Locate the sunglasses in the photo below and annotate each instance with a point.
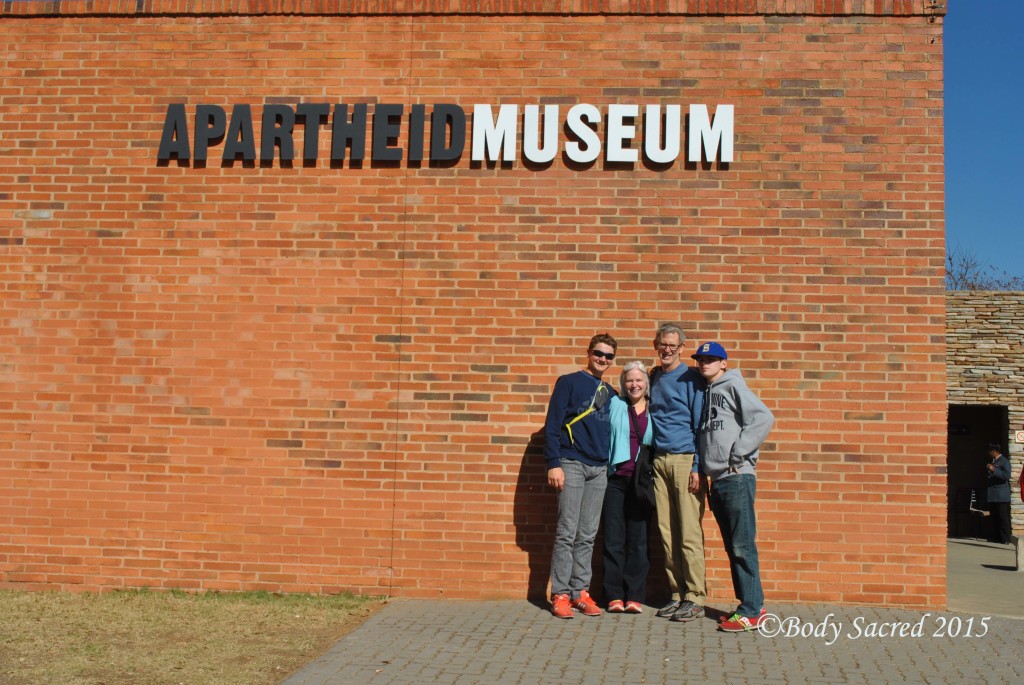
(603, 355)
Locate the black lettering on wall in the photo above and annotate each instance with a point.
(312, 115)
(240, 139)
(387, 125)
(278, 124)
(210, 123)
(174, 139)
(445, 146)
(348, 134)
(416, 119)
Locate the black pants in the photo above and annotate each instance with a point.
(1000, 512)
(625, 542)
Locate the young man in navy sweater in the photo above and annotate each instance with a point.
(577, 435)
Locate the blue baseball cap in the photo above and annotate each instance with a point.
(710, 349)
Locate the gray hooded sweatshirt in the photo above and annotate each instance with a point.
(734, 423)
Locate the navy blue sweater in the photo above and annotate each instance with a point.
(591, 436)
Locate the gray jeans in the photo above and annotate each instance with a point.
(579, 515)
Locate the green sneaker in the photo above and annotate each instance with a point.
(742, 624)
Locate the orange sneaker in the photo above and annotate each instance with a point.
(616, 606)
(561, 607)
(634, 608)
(586, 604)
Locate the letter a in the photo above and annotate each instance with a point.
(174, 139)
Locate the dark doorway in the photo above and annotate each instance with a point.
(971, 427)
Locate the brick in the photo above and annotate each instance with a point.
(312, 378)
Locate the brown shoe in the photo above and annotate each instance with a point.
(561, 607)
(586, 604)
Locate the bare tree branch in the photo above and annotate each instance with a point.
(965, 271)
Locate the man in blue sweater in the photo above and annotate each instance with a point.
(679, 491)
(577, 435)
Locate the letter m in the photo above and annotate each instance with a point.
(711, 137)
(494, 139)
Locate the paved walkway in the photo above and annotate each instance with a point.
(519, 643)
(982, 579)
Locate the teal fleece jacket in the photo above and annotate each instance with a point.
(620, 433)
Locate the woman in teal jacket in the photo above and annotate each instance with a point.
(625, 516)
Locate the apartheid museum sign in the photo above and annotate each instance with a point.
(582, 136)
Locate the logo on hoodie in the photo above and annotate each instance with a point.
(713, 422)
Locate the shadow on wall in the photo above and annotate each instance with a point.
(535, 512)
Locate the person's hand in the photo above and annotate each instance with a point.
(991, 468)
(694, 486)
(556, 478)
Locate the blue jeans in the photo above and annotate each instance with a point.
(732, 501)
(625, 542)
(579, 515)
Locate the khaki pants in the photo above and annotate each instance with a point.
(680, 513)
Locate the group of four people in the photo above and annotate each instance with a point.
(703, 424)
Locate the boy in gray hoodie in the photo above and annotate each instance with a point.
(734, 423)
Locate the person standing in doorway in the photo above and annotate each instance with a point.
(577, 435)
(680, 493)
(998, 472)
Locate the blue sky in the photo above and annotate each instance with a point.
(984, 105)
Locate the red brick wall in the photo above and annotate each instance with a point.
(316, 378)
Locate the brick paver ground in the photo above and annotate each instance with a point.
(519, 643)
